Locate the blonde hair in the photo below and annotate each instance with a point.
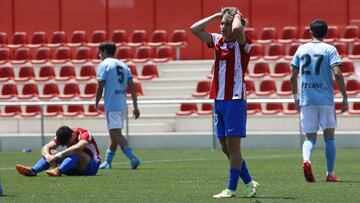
(229, 14)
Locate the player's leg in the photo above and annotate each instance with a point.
(328, 123)
(310, 126)
(39, 166)
(222, 142)
(67, 166)
(127, 150)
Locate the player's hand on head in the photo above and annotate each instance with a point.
(136, 113)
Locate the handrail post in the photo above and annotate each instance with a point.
(42, 124)
(213, 128)
(127, 124)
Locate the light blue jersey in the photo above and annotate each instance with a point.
(115, 74)
(315, 61)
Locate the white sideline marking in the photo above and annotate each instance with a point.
(189, 160)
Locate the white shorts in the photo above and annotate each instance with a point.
(115, 119)
(313, 116)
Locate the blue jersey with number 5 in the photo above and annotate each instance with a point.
(115, 74)
(315, 61)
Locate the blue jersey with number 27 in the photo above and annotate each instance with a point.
(115, 74)
(315, 61)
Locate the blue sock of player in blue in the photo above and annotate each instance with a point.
(41, 165)
(307, 148)
(330, 152)
(131, 156)
(68, 163)
(108, 159)
(244, 173)
(234, 174)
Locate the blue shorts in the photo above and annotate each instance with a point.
(90, 170)
(230, 118)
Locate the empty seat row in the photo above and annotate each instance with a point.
(82, 54)
(78, 38)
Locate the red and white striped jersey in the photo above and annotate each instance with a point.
(231, 61)
(91, 149)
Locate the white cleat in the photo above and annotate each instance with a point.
(225, 194)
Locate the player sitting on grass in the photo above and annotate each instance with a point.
(81, 156)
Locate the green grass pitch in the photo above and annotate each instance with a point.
(186, 176)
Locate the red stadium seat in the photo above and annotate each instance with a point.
(186, 109)
(351, 34)
(87, 72)
(179, 40)
(124, 53)
(341, 48)
(143, 54)
(11, 111)
(306, 35)
(159, 37)
(289, 34)
(9, 90)
(19, 39)
(46, 72)
(276, 51)
(22, 55)
(78, 38)
(50, 90)
(89, 90)
(290, 110)
(31, 111)
(3, 39)
(163, 54)
(352, 87)
(206, 109)
(338, 107)
(5, 55)
(250, 33)
(71, 91)
(58, 38)
(42, 55)
(149, 71)
(119, 37)
(268, 35)
(272, 108)
(332, 34)
(139, 91)
(253, 108)
(92, 112)
(202, 89)
(53, 110)
(256, 51)
(292, 49)
(6, 73)
(250, 87)
(82, 54)
(74, 110)
(355, 53)
(62, 54)
(29, 90)
(97, 37)
(285, 89)
(133, 69)
(261, 69)
(138, 38)
(267, 87)
(281, 69)
(67, 72)
(355, 109)
(38, 39)
(26, 73)
(347, 68)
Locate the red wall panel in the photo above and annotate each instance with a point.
(179, 15)
(131, 15)
(36, 15)
(354, 12)
(87, 15)
(6, 17)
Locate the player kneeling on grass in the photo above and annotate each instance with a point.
(81, 156)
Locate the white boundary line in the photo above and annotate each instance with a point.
(189, 160)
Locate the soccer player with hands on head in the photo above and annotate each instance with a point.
(81, 156)
(316, 63)
(232, 55)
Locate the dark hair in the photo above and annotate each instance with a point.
(63, 135)
(109, 47)
(318, 28)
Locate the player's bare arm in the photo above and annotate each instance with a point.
(341, 84)
(198, 28)
(294, 87)
(136, 112)
(99, 93)
(46, 149)
(78, 147)
(238, 29)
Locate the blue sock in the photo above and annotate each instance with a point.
(109, 156)
(244, 173)
(233, 179)
(129, 153)
(41, 165)
(68, 163)
(307, 148)
(330, 152)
